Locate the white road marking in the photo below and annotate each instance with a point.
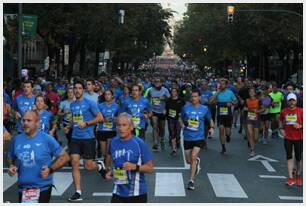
(267, 165)
(169, 184)
(257, 158)
(61, 180)
(8, 181)
(171, 168)
(102, 194)
(290, 198)
(272, 176)
(186, 166)
(226, 185)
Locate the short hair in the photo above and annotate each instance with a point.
(91, 80)
(127, 116)
(137, 85)
(32, 111)
(79, 82)
(111, 91)
(196, 91)
(27, 82)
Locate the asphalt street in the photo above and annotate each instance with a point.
(230, 178)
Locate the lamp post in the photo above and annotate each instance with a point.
(19, 40)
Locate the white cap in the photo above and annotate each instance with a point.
(291, 96)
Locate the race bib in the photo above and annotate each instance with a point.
(291, 119)
(193, 124)
(223, 110)
(108, 125)
(136, 121)
(172, 113)
(120, 177)
(252, 116)
(156, 101)
(30, 195)
(77, 118)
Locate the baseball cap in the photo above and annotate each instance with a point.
(291, 96)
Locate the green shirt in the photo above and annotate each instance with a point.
(277, 98)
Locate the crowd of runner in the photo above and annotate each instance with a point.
(105, 121)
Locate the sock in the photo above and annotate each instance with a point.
(79, 191)
(191, 181)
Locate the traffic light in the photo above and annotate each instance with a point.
(230, 13)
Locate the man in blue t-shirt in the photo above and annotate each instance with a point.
(85, 115)
(140, 109)
(31, 155)
(158, 96)
(225, 100)
(24, 103)
(192, 120)
(130, 158)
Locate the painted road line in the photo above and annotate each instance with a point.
(290, 198)
(183, 151)
(62, 180)
(171, 168)
(102, 194)
(267, 165)
(272, 176)
(169, 185)
(226, 185)
(8, 181)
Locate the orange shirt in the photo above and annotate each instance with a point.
(252, 104)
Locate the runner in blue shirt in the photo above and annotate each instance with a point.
(225, 99)
(130, 158)
(140, 109)
(24, 103)
(31, 155)
(85, 115)
(158, 96)
(47, 121)
(107, 128)
(193, 117)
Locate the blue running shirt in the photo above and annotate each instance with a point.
(135, 151)
(109, 112)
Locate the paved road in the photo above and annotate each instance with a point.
(223, 178)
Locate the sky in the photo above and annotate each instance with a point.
(179, 7)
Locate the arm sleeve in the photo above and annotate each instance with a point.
(94, 108)
(145, 153)
(54, 146)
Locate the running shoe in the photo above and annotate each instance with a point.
(76, 197)
(190, 185)
(290, 182)
(264, 141)
(102, 171)
(223, 150)
(298, 180)
(155, 147)
(198, 168)
(252, 153)
(173, 153)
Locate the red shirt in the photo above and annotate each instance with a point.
(289, 117)
(54, 99)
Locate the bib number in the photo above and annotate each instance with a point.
(120, 177)
(136, 121)
(172, 113)
(223, 111)
(108, 125)
(252, 116)
(156, 101)
(77, 118)
(291, 119)
(30, 195)
(193, 124)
